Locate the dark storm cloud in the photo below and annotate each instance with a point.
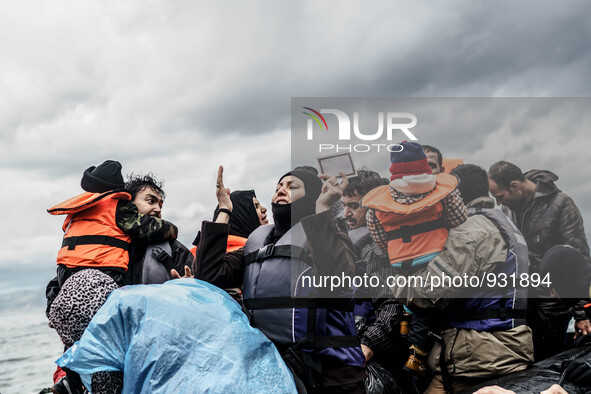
(177, 88)
(509, 49)
(391, 49)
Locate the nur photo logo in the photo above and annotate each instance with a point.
(388, 126)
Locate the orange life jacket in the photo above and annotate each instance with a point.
(450, 163)
(234, 243)
(91, 235)
(413, 230)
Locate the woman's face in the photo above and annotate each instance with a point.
(288, 190)
(261, 211)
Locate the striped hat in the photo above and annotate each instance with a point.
(411, 160)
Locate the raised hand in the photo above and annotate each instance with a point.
(223, 196)
(331, 191)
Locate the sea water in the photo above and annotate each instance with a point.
(28, 349)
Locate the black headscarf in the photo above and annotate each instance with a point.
(244, 218)
(287, 215)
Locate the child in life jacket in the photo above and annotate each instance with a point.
(98, 229)
(101, 223)
(409, 220)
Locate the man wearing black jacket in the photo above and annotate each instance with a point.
(148, 196)
(546, 217)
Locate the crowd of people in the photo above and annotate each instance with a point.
(433, 218)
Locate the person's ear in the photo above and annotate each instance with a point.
(514, 186)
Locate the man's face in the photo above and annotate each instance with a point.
(148, 202)
(511, 197)
(433, 162)
(261, 211)
(288, 190)
(354, 213)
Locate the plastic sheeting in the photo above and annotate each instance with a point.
(379, 380)
(539, 377)
(183, 336)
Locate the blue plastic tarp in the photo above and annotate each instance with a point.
(183, 336)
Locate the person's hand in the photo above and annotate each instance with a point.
(582, 327)
(331, 191)
(367, 352)
(555, 389)
(176, 275)
(494, 390)
(223, 196)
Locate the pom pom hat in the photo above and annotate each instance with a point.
(411, 160)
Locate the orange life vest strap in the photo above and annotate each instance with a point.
(406, 232)
(71, 242)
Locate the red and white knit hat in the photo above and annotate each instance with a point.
(411, 160)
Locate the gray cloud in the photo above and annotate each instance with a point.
(179, 87)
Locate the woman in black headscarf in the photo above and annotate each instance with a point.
(246, 215)
(304, 236)
(218, 254)
(303, 242)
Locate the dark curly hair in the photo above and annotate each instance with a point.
(364, 182)
(137, 183)
(473, 181)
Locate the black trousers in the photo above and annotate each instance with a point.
(549, 323)
(423, 321)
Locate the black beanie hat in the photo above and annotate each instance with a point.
(568, 272)
(107, 176)
(285, 216)
(307, 168)
(312, 183)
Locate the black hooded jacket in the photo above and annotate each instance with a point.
(212, 262)
(550, 218)
(244, 219)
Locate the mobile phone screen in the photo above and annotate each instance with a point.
(334, 164)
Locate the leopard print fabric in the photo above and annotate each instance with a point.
(80, 298)
(107, 382)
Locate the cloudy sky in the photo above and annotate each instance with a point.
(178, 87)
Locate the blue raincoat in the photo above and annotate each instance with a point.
(183, 336)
